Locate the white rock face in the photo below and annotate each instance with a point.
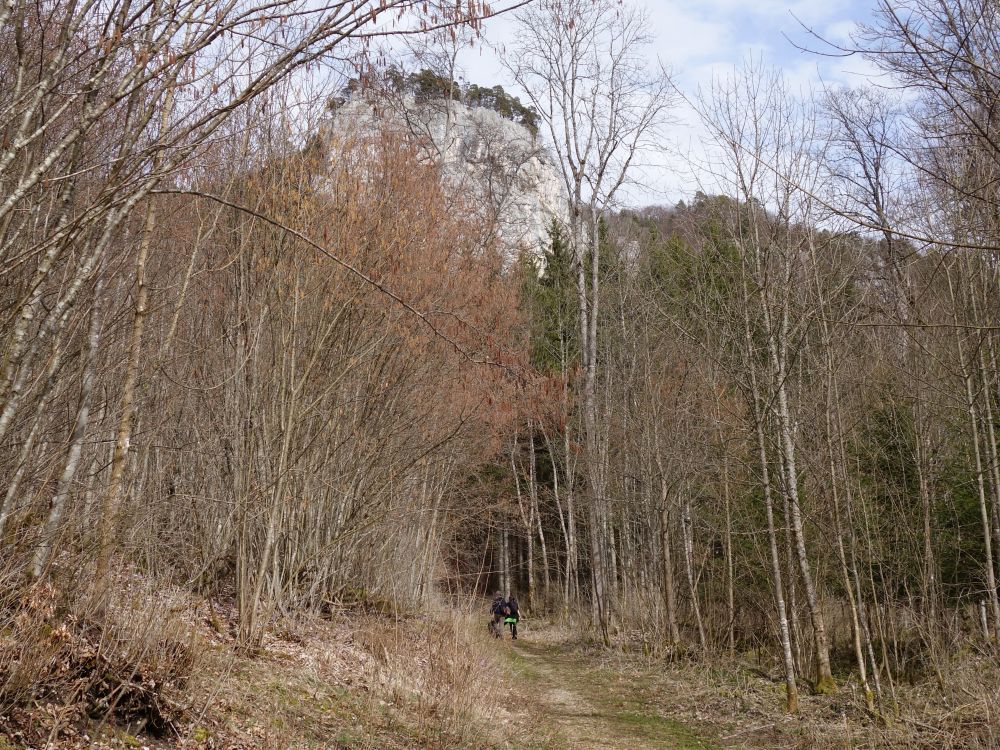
(494, 166)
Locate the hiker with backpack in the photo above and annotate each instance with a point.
(513, 616)
(499, 611)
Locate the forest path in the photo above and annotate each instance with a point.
(590, 705)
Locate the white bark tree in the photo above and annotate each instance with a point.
(601, 105)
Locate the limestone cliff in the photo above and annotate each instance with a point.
(493, 166)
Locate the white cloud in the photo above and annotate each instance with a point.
(707, 40)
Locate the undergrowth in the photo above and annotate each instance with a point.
(162, 670)
(69, 674)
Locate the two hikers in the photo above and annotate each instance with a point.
(504, 613)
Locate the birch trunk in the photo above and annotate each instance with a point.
(757, 414)
(81, 422)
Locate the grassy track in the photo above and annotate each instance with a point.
(591, 706)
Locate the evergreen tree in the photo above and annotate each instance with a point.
(551, 292)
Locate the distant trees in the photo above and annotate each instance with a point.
(507, 106)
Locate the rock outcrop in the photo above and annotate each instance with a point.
(492, 166)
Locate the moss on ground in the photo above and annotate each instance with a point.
(826, 686)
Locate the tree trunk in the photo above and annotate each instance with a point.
(779, 358)
(112, 497)
(669, 587)
(757, 414)
(687, 529)
(80, 425)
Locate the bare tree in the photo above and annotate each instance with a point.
(582, 66)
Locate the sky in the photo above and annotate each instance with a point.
(706, 38)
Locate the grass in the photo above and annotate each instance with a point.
(364, 683)
(284, 703)
(522, 668)
(632, 707)
(660, 728)
(621, 709)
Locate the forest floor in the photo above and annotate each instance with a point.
(366, 680)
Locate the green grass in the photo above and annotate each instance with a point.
(631, 706)
(522, 668)
(627, 707)
(655, 727)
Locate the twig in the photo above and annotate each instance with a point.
(748, 731)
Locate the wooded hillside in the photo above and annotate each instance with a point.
(252, 364)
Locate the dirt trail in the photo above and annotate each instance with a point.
(593, 707)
